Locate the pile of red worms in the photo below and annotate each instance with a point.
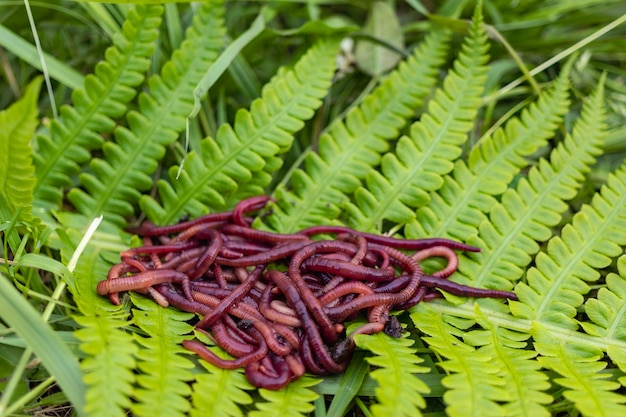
(277, 302)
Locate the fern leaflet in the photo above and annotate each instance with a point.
(242, 151)
(581, 370)
(526, 213)
(458, 207)
(110, 362)
(474, 385)
(399, 391)
(17, 173)
(348, 150)
(165, 371)
(419, 162)
(524, 382)
(556, 285)
(116, 182)
(294, 400)
(231, 386)
(102, 100)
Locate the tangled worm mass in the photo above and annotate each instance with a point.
(277, 302)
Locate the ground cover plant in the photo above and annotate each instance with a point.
(494, 124)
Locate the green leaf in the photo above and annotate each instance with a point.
(162, 360)
(381, 24)
(350, 148)
(399, 391)
(47, 345)
(17, 173)
(294, 400)
(420, 161)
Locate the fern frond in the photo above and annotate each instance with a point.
(165, 371)
(607, 312)
(459, 206)
(582, 377)
(230, 387)
(419, 162)
(557, 284)
(294, 400)
(102, 100)
(116, 182)
(474, 385)
(350, 148)
(527, 213)
(110, 363)
(242, 151)
(524, 382)
(399, 391)
(17, 173)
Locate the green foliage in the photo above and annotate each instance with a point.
(558, 350)
(397, 367)
(418, 163)
(116, 182)
(17, 173)
(248, 148)
(165, 371)
(295, 400)
(103, 99)
(349, 149)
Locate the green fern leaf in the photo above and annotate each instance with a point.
(474, 385)
(607, 312)
(294, 400)
(524, 382)
(527, 213)
(242, 151)
(399, 391)
(459, 206)
(110, 363)
(557, 284)
(116, 182)
(231, 386)
(582, 377)
(165, 371)
(419, 162)
(103, 99)
(17, 173)
(348, 150)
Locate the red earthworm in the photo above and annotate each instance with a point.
(377, 317)
(288, 334)
(149, 229)
(295, 366)
(191, 232)
(420, 295)
(157, 297)
(247, 205)
(430, 281)
(309, 361)
(233, 298)
(274, 315)
(209, 255)
(237, 330)
(282, 308)
(439, 251)
(256, 376)
(257, 321)
(274, 254)
(309, 326)
(347, 269)
(180, 302)
(350, 287)
(383, 255)
(207, 355)
(173, 262)
(230, 253)
(229, 343)
(361, 244)
(244, 247)
(411, 244)
(146, 250)
(260, 235)
(156, 262)
(144, 280)
(138, 265)
(115, 272)
(327, 328)
(218, 274)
